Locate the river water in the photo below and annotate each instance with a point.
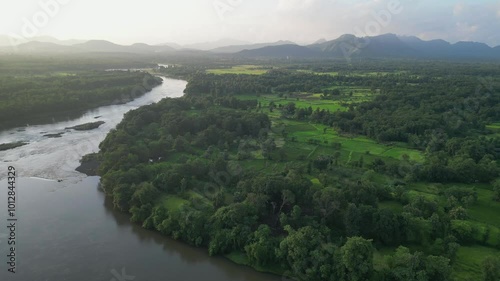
(68, 230)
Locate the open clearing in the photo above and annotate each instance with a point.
(240, 69)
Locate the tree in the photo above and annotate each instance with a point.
(421, 207)
(234, 215)
(272, 106)
(458, 213)
(308, 257)
(192, 225)
(268, 146)
(262, 249)
(405, 266)
(328, 202)
(451, 248)
(282, 156)
(121, 197)
(357, 258)
(184, 185)
(437, 268)
(491, 269)
(220, 242)
(352, 220)
(144, 193)
(289, 109)
(389, 227)
(464, 196)
(322, 162)
(140, 214)
(496, 190)
(181, 144)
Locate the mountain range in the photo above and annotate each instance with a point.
(238, 48)
(382, 46)
(6, 40)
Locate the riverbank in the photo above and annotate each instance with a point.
(12, 145)
(45, 100)
(72, 222)
(89, 165)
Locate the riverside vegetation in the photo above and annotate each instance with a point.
(37, 89)
(380, 170)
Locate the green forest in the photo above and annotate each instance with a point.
(378, 170)
(34, 90)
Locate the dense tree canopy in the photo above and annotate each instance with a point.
(218, 172)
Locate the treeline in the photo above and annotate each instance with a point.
(26, 97)
(274, 81)
(190, 151)
(19, 65)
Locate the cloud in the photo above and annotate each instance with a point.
(260, 20)
(465, 21)
(295, 5)
(477, 22)
(466, 28)
(458, 9)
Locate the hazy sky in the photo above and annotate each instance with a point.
(302, 21)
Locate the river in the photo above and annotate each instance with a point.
(68, 230)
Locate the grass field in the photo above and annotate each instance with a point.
(304, 100)
(392, 205)
(171, 202)
(495, 127)
(353, 73)
(469, 262)
(355, 146)
(240, 69)
(241, 259)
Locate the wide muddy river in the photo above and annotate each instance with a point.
(66, 227)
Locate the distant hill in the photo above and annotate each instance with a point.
(382, 46)
(387, 45)
(348, 45)
(282, 51)
(145, 48)
(49, 39)
(171, 45)
(100, 46)
(320, 41)
(205, 46)
(92, 46)
(6, 40)
(43, 47)
(239, 48)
